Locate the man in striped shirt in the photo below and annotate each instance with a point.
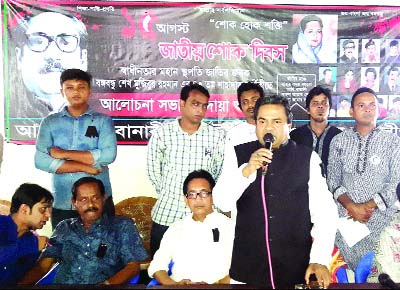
(176, 149)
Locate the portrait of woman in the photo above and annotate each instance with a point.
(311, 45)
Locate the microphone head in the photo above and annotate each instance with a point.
(268, 140)
(383, 278)
(268, 137)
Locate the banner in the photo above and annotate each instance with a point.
(141, 55)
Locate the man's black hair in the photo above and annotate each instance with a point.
(29, 194)
(274, 100)
(198, 174)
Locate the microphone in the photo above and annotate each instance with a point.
(386, 281)
(269, 139)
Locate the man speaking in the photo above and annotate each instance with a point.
(286, 221)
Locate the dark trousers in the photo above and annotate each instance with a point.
(58, 215)
(157, 232)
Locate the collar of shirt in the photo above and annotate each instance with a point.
(65, 112)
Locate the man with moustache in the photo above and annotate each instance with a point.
(19, 245)
(318, 133)
(46, 45)
(93, 248)
(286, 217)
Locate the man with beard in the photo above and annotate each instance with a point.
(46, 45)
(318, 133)
(93, 248)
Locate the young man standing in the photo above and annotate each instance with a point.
(19, 246)
(243, 132)
(74, 143)
(363, 173)
(175, 150)
(318, 133)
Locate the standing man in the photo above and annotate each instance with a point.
(286, 221)
(363, 173)
(318, 133)
(175, 150)
(247, 94)
(93, 248)
(75, 142)
(43, 51)
(19, 245)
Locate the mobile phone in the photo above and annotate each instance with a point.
(101, 251)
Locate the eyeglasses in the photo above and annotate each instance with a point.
(39, 42)
(349, 47)
(194, 194)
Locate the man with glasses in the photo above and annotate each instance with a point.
(47, 44)
(348, 52)
(177, 148)
(200, 244)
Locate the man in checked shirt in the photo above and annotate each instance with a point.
(176, 149)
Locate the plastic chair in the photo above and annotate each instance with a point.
(341, 275)
(361, 272)
(364, 268)
(154, 282)
(49, 277)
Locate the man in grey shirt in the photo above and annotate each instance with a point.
(363, 173)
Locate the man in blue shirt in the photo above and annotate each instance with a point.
(93, 248)
(74, 143)
(19, 246)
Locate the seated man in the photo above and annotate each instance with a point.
(387, 249)
(200, 245)
(19, 246)
(93, 248)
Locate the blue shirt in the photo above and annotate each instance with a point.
(93, 132)
(77, 249)
(17, 255)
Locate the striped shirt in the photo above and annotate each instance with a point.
(365, 168)
(172, 154)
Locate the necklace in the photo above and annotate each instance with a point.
(364, 159)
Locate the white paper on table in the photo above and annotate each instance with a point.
(352, 231)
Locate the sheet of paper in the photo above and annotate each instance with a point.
(352, 231)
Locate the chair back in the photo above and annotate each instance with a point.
(5, 207)
(364, 268)
(139, 209)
